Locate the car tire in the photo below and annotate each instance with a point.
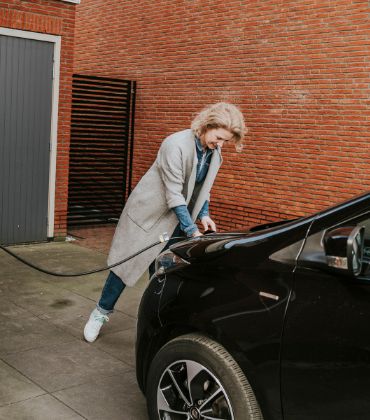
(187, 371)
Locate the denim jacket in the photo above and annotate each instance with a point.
(182, 212)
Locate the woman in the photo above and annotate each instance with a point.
(170, 197)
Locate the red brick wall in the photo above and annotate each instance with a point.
(299, 70)
(56, 18)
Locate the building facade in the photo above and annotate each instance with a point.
(299, 70)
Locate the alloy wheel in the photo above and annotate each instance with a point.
(189, 391)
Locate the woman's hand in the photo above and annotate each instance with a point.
(208, 223)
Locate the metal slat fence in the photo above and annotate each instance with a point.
(101, 148)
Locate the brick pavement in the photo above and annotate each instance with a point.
(98, 238)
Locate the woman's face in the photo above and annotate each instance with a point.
(215, 137)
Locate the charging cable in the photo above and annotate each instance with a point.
(162, 238)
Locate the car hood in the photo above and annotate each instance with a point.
(283, 232)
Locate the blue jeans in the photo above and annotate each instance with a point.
(114, 286)
(111, 292)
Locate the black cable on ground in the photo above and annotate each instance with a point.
(85, 273)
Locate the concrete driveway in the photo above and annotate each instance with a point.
(47, 370)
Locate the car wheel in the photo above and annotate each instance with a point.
(192, 377)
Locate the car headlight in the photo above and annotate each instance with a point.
(168, 261)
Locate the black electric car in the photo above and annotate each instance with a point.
(270, 323)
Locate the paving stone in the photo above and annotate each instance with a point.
(47, 300)
(13, 286)
(52, 256)
(89, 286)
(15, 387)
(39, 408)
(9, 310)
(58, 367)
(41, 347)
(110, 398)
(120, 345)
(20, 334)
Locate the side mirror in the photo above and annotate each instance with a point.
(344, 249)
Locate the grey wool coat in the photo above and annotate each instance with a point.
(147, 214)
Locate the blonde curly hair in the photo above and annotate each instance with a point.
(221, 115)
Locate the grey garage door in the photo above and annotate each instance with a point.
(25, 125)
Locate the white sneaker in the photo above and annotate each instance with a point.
(94, 324)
